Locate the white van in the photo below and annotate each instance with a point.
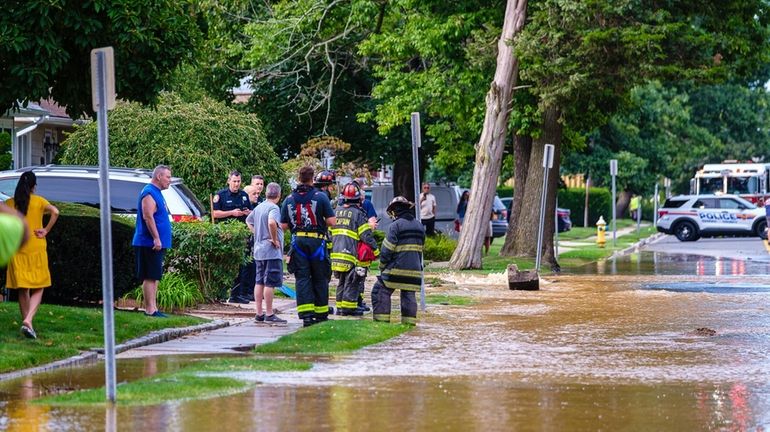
(447, 197)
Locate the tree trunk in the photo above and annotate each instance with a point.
(622, 206)
(522, 148)
(489, 150)
(525, 232)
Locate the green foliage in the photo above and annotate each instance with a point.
(599, 204)
(5, 151)
(66, 331)
(439, 248)
(174, 293)
(201, 142)
(45, 47)
(505, 191)
(75, 240)
(333, 337)
(208, 254)
(449, 300)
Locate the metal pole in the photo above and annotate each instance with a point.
(639, 217)
(416, 143)
(614, 173)
(547, 163)
(556, 228)
(106, 231)
(655, 207)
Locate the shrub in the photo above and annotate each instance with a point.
(74, 256)
(5, 151)
(439, 248)
(208, 254)
(174, 292)
(599, 204)
(201, 142)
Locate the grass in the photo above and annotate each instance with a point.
(450, 300)
(65, 331)
(494, 263)
(334, 336)
(185, 384)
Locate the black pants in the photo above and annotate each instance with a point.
(312, 278)
(243, 286)
(430, 226)
(348, 290)
(381, 303)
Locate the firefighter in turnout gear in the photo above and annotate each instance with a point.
(400, 263)
(352, 239)
(307, 212)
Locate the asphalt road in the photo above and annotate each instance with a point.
(745, 248)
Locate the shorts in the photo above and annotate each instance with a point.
(489, 229)
(269, 272)
(149, 263)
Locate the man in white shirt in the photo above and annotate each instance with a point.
(428, 210)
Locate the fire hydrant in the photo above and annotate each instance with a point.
(601, 227)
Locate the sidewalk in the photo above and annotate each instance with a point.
(241, 335)
(568, 245)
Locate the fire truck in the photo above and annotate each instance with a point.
(747, 180)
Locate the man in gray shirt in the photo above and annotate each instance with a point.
(265, 222)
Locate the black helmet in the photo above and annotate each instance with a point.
(324, 178)
(396, 204)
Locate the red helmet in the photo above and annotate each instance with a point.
(351, 193)
(324, 178)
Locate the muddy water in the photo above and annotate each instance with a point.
(584, 353)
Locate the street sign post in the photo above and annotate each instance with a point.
(103, 89)
(614, 173)
(547, 165)
(416, 144)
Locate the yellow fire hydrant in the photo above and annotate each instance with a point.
(601, 228)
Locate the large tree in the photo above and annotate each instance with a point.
(583, 57)
(489, 150)
(45, 48)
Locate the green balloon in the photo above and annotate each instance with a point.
(11, 234)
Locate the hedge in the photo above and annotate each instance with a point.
(599, 204)
(74, 256)
(209, 254)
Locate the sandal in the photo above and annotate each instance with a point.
(28, 332)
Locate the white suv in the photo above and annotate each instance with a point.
(690, 217)
(80, 184)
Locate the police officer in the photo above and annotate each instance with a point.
(400, 263)
(231, 203)
(307, 212)
(350, 235)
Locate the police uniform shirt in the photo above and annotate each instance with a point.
(226, 200)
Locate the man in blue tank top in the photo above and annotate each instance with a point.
(152, 237)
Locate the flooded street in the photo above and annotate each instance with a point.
(652, 342)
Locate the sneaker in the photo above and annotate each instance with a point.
(260, 318)
(156, 314)
(307, 322)
(28, 332)
(272, 319)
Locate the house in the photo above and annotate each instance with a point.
(36, 131)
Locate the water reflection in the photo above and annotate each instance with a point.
(658, 263)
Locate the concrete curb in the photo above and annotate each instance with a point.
(91, 356)
(651, 239)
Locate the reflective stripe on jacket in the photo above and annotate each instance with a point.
(351, 228)
(401, 256)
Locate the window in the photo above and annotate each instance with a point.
(730, 204)
(674, 203)
(706, 203)
(123, 195)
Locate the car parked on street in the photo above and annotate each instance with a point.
(447, 197)
(80, 184)
(690, 217)
(563, 220)
(500, 218)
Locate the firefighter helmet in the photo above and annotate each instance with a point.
(351, 193)
(397, 203)
(324, 178)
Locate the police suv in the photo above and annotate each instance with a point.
(690, 217)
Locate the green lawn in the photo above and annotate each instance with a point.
(65, 331)
(334, 336)
(449, 300)
(494, 263)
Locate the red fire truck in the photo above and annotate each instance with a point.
(748, 180)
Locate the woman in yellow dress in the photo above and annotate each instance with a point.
(28, 269)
